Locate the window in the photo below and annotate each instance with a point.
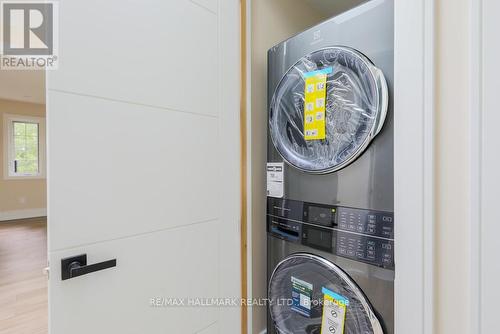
(24, 139)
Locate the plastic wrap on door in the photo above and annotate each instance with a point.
(356, 106)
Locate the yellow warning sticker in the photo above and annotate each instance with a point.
(315, 104)
(334, 310)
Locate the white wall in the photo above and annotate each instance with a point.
(21, 198)
(452, 167)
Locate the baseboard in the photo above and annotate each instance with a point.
(22, 214)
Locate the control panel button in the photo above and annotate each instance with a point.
(358, 247)
(387, 246)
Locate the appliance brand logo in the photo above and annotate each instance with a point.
(316, 37)
(29, 35)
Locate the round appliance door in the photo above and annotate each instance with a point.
(348, 112)
(311, 295)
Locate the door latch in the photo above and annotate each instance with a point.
(75, 266)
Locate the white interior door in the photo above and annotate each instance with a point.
(143, 165)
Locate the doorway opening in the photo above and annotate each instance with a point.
(23, 203)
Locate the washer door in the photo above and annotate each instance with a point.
(304, 276)
(356, 101)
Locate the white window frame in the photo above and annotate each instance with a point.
(8, 140)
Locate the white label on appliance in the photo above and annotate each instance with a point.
(305, 301)
(275, 179)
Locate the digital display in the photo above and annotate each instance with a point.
(321, 215)
(319, 238)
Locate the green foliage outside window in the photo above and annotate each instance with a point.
(26, 147)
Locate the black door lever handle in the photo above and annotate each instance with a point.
(75, 266)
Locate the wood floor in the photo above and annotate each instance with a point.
(23, 285)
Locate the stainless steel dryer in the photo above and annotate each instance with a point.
(330, 218)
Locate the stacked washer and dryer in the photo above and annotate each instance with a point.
(330, 197)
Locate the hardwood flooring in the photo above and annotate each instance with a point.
(23, 285)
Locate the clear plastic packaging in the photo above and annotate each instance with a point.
(356, 106)
(320, 273)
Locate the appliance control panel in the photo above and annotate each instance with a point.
(377, 223)
(358, 234)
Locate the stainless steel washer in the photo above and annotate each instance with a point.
(330, 201)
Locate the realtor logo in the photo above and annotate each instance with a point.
(28, 28)
(28, 34)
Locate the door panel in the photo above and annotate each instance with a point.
(161, 53)
(147, 267)
(144, 165)
(210, 5)
(212, 329)
(130, 161)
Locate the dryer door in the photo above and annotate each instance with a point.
(311, 295)
(327, 108)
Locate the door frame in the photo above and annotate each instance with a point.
(414, 58)
(245, 152)
(414, 165)
(414, 63)
(478, 213)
